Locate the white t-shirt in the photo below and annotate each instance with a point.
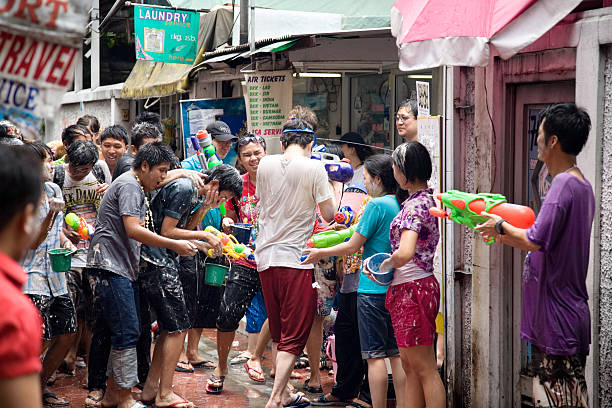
(358, 180)
(288, 192)
(82, 199)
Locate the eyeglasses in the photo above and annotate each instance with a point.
(402, 118)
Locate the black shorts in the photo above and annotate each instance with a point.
(164, 292)
(242, 285)
(58, 314)
(202, 300)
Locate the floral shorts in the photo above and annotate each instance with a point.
(560, 382)
(413, 307)
(325, 277)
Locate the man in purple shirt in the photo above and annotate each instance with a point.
(555, 314)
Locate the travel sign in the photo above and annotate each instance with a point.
(166, 35)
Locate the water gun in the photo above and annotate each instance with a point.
(79, 225)
(330, 238)
(346, 216)
(206, 154)
(465, 209)
(337, 170)
(231, 246)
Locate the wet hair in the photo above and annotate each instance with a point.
(22, 177)
(305, 114)
(154, 153)
(247, 138)
(72, 132)
(89, 121)
(228, 177)
(297, 137)
(381, 165)
(82, 152)
(151, 118)
(569, 123)
(334, 148)
(144, 130)
(409, 104)
(116, 132)
(39, 148)
(413, 160)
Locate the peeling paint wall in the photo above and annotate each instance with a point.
(605, 338)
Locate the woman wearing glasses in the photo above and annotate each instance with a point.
(406, 120)
(243, 280)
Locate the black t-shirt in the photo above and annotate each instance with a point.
(175, 200)
(123, 164)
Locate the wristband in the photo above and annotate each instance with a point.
(499, 227)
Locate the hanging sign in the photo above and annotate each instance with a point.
(39, 46)
(166, 35)
(268, 96)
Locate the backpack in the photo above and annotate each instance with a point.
(59, 175)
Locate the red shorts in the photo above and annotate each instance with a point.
(413, 307)
(291, 302)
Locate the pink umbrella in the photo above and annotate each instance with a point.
(432, 33)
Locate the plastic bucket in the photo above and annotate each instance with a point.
(242, 232)
(215, 274)
(60, 258)
(372, 265)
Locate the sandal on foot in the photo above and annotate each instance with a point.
(298, 402)
(178, 404)
(322, 401)
(312, 390)
(203, 364)
(360, 404)
(210, 388)
(51, 395)
(183, 369)
(97, 401)
(241, 358)
(259, 377)
(301, 362)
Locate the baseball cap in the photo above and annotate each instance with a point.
(220, 131)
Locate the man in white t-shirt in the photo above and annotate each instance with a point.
(289, 187)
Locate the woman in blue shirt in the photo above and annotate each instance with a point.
(372, 233)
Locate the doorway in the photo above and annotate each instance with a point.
(529, 183)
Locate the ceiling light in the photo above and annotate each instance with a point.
(420, 76)
(318, 75)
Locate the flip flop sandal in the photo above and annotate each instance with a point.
(176, 404)
(49, 395)
(322, 401)
(260, 378)
(210, 389)
(359, 404)
(312, 390)
(301, 362)
(240, 359)
(95, 399)
(180, 369)
(297, 402)
(203, 364)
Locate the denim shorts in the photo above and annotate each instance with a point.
(375, 329)
(164, 293)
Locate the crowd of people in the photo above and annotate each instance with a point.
(142, 263)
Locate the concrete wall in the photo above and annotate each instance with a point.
(605, 320)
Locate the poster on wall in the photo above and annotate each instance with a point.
(423, 101)
(196, 114)
(268, 97)
(166, 35)
(39, 54)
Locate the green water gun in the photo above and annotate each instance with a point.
(331, 238)
(466, 209)
(202, 143)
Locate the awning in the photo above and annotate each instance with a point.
(155, 79)
(432, 33)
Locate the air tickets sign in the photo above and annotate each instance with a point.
(166, 35)
(39, 44)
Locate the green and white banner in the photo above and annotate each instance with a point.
(166, 35)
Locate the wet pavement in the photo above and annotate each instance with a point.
(238, 391)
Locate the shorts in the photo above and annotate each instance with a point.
(414, 307)
(240, 289)
(376, 336)
(325, 276)
(164, 292)
(58, 314)
(559, 381)
(202, 300)
(256, 314)
(74, 281)
(291, 303)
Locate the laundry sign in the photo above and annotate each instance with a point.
(166, 34)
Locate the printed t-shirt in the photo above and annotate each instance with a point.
(247, 210)
(374, 225)
(111, 249)
(555, 314)
(288, 191)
